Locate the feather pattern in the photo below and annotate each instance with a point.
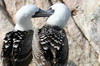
(54, 46)
(15, 44)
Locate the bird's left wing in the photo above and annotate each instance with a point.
(17, 46)
(37, 51)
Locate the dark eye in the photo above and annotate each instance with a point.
(50, 9)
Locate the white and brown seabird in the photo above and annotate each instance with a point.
(17, 45)
(50, 44)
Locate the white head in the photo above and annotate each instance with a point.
(24, 15)
(60, 16)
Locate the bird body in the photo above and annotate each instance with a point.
(17, 45)
(18, 42)
(50, 44)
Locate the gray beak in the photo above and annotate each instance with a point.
(42, 13)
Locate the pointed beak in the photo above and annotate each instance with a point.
(42, 13)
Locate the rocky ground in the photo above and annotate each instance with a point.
(83, 28)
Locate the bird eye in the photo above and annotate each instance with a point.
(50, 9)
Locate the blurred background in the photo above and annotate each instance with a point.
(83, 28)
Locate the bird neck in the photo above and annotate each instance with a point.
(23, 24)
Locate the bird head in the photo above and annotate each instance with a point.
(24, 15)
(60, 16)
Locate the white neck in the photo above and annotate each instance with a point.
(23, 24)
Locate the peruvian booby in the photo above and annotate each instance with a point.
(17, 44)
(52, 48)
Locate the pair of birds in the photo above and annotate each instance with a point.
(48, 45)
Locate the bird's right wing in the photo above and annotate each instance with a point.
(64, 53)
